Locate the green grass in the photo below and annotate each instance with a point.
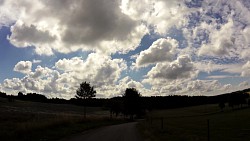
(190, 124)
(24, 121)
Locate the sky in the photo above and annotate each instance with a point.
(159, 47)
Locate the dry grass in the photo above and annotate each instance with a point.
(25, 121)
(180, 125)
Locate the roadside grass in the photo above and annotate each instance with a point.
(33, 121)
(191, 124)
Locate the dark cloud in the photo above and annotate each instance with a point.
(23, 35)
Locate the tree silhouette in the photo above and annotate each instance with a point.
(85, 91)
(222, 105)
(132, 103)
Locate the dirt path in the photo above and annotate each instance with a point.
(121, 132)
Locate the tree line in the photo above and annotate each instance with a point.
(132, 103)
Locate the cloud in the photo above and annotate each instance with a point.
(13, 84)
(40, 72)
(93, 69)
(23, 35)
(246, 69)
(34, 61)
(161, 50)
(183, 67)
(244, 84)
(227, 87)
(23, 67)
(210, 66)
(199, 86)
(220, 76)
(162, 15)
(87, 25)
(220, 42)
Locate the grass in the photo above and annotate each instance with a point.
(190, 124)
(24, 121)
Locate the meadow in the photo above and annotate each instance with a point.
(24, 120)
(191, 124)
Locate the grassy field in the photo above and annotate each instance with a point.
(191, 124)
(24, 121)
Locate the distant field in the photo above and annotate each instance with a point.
(190, 124)
(23, 121)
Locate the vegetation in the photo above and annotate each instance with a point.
(132, 102)
(23, 120)
(166, 118)
(85, 91)
(191, 124)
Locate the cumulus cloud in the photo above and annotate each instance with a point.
(64, 78)
(183, 67)
(23, 67)
(203, 85)
(220, 41)
(161, 50)
(87, 25)
(206, 36)
(36, 61)
(93, 69)
(219, 29)
(23, 35)
(227, 87)
(14, 84)
(244, 84)
(162, 15)
(246, 69)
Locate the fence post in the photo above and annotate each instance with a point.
(208, 134)
(162, 123)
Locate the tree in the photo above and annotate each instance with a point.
(222, 105)
(85, 91)
(20, 94)
(132, 103)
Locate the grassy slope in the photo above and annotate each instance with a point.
(21, 120)
(190, 124)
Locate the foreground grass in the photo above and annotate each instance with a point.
(31, 121)
(190, 124)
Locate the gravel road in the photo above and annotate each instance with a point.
(121, 132)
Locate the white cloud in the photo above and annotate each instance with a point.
(203, 87)
(95, 68)
(40, 72)
(161, 50)
(23, 67)
(87, 25)
(220, 41)
(246, 69)
(227, 87)
(162, 15)
(181, 68)
(34, 61)
(244, 84)
(64, 78)
(214, 36)
(219, 76)
(210, 66)
(14, 84)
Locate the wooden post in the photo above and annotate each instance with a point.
(162, 123)
(84, 111)
(208, 134)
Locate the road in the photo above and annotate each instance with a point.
(121, 132)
